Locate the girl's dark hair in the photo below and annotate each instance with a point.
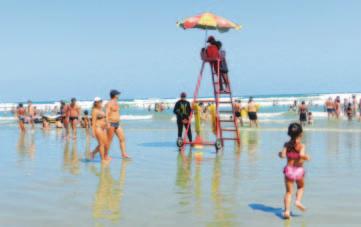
(294, 130)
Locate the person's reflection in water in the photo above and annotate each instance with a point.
(74, 163)
(59, 133)
(26, 147)
(198, 188)
(107, 200)
(183, 178)
(183, 171)
(288, 222)
(253, 137)
(221, 217)
(71, 159)
(332, 142)
(237, 165)
(350, 140)
(21, 147)
(250, 139)
(87, 146)
(238, 150)
(66, 155)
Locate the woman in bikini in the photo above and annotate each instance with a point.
(99, 126)
(295, 153)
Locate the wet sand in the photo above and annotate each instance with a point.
(47, 181)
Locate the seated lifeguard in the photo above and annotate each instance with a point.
(210, 53)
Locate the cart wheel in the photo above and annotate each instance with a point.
(180, 142)
(218, 144)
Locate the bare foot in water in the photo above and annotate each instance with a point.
(125, 155)
(300, 206)
(92, 154)
(106, 161)
(286, 215)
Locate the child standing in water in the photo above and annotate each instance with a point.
(295, 153)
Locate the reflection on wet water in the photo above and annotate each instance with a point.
(333, 142)
(212, 192)
(198, 188)
(183, 177)
(220, 213)
(71, 161)
(193, 188)
(26, 145)
(250, 142)
(87, 145)
(109, 194)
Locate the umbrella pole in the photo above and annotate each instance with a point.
(205, 40)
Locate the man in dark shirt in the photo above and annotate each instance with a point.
(182, 110)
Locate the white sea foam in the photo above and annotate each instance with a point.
(135, 117)
(123, 117)
(145, 103)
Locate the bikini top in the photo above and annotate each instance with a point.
(293, 150)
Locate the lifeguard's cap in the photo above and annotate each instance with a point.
(183, 95)
(211, 39)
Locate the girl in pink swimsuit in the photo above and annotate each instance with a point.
(294, 151)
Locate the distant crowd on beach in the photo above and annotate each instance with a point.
(334, 107)
(349, 107)
(104, 122)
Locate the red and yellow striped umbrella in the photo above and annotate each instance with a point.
(208, 21)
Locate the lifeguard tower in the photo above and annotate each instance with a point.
(225, 123)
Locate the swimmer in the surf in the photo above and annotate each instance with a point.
(252, 113)
(330, 107)
(303, 110)
(349, 112)
(295, 153)
(45, 123)
(309, 118)
(337, 107)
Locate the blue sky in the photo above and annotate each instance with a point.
(59, 49)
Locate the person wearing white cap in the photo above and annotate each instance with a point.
(99, 126)
(113, 118)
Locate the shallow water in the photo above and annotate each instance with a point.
(48, 181)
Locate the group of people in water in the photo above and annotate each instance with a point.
(104, 122)
(335, 108)
(349, 107)
(183, 109)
